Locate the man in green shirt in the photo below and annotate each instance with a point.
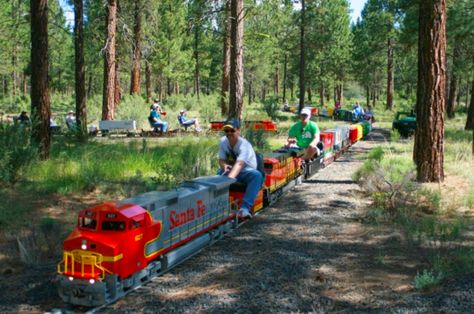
(305, 135)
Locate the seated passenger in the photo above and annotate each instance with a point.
(305, 135)
(369, 115)
(71, 120)
(238, 160)
(53, 126)
(23, 118)
(155, 118)
(358, 111)
(185, 122)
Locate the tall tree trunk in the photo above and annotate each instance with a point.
(470, 114)
(340, 93)
(367, 94)
(90, 85)
(428, 152)
(250, 92)
(197, 71)
(390, 74)
(161, 84)
(176, 88)
(148, 81)
(118, 88)
(40, 101)
(137, 52)
(453, 86)
(15, 14)
(108, 100)
(226, 61)
(277, 83)
(302, 56)
(236, 59)
(24, 84)
(321, 96)
(14, 73)
(467, 93)
(285, 74)
(80, 75)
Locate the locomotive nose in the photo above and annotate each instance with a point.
(86, 259)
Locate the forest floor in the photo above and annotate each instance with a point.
(310, 252)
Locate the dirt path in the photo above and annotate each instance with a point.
(308, 253)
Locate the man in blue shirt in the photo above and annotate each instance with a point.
(185, 122)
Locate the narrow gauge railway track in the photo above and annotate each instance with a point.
(119, 246)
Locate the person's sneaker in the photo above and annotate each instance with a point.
(244, 213)
(198, 130)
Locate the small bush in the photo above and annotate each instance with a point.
(427, 279)
(258, 139)
(272, 107)
(17, 152)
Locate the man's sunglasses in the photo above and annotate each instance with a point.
(229, 131)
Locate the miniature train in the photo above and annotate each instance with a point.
(118, 246)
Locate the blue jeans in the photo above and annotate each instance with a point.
(253, 180)
(162, 125)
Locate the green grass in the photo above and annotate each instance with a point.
(76, 168)
(428, 214)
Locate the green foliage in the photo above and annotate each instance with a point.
(427, 279)
(135, 165)
(134, 108)
(258, 139)
(272, 107)
(17, 153)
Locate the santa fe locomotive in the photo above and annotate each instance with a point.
(118, 246)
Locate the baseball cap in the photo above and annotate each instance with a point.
(182, 110)
(306, 111)
(231, 123)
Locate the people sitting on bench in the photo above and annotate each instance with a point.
(155, 118)
(71, 120)
(369, 115)
(53, 126)
(187, 123)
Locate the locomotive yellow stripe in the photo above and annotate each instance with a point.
(112, 258)
(104, 258)
(211, 220)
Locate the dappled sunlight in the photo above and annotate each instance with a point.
(214, 290)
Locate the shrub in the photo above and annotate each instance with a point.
(17, 152)
(427, 279)
(272, 107)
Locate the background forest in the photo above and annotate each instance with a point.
(173, 50)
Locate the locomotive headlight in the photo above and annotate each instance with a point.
(71, 279)
(92, 281)
(84, 245)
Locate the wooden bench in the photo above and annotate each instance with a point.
(117, 126)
